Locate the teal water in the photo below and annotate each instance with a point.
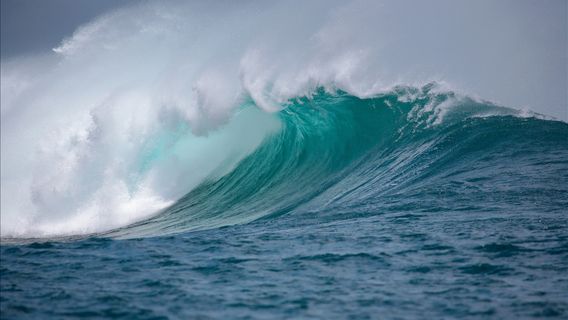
(414, 203)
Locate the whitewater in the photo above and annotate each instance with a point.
(328, 162)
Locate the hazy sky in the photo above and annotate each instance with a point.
(29, 26)
(511, 52)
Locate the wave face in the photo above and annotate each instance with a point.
(338, 156)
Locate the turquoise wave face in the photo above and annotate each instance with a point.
(337, 156)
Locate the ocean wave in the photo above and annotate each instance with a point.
(328, 151)
(153, 108)
(339, 153)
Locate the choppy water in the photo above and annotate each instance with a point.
(410, 204)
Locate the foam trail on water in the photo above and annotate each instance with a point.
(143, 104)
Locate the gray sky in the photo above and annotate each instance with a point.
(510, 52)
(29, 26)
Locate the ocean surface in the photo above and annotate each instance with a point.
(415, 203)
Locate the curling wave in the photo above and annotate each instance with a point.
(196, 115)
(337, 156)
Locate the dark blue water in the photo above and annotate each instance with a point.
(412, 204)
